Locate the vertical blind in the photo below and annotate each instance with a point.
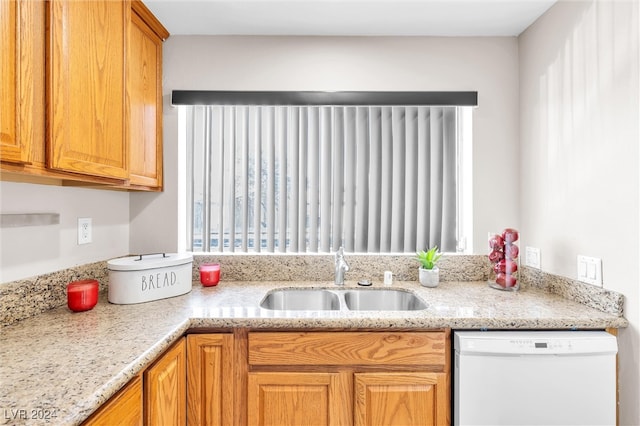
(312, 178)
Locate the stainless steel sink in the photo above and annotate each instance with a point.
(290, 299)
(383, 300)
(301, 300)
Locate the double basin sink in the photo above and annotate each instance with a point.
(335, 300)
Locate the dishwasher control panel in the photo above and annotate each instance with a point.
(534, 342)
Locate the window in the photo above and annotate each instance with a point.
(312, 178)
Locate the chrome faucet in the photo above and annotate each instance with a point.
(341, 267)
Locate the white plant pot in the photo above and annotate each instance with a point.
(429, 277)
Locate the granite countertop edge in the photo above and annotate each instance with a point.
(111, 344)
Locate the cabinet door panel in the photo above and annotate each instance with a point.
(145, 105)
(165, 388)
(299, 399)
(10, 149)
(210, 376)
(123, 409)
(86, 73)
(401, 399)
(22, 86)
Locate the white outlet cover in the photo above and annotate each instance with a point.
(84, 230)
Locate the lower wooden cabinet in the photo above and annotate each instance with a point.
(349, 378)
(293, 398)
(124, 408)
(155, 397)
(411, 398)
(292, 378)
(210, 379)
(165, 388)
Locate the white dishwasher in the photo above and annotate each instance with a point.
(534, 378)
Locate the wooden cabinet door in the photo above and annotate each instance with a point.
(299, 399)
(165, 391)
(124, 408)
(210, 376)
(86, 51)
(144, 90)
(405, 399)
(22, 82)
(10, 149)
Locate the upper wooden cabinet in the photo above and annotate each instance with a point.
(81, 96)
(22, 83)
(9, 48)
(87, 42)
(144, 97)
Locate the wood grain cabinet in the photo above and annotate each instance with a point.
(347, 378)
(86, 66)
(293, 378)
(124, 408)
(22, 82)
(144, 97)
(165, 388)
(299, 398)
(411, 398)
(80, 94)
(210, 379)
(155, 397)
(10, 147)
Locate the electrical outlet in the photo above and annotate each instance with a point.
(590, 270)
(532, 257)
(84, 230)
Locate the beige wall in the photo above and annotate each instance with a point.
(35, 250)
(488, 65)
(579, 135)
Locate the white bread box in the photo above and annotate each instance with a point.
(147, 277)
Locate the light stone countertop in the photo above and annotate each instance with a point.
(67, 364)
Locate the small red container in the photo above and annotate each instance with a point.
(210, 274)
(82, 295)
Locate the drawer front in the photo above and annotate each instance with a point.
(348, 348)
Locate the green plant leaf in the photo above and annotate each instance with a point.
(428, 258)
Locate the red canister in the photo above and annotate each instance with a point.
(209, 274)
(82, 295)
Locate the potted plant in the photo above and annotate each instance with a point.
(429, 273)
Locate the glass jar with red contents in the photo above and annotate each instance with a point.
(504, 260)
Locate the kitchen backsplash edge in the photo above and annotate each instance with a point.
(28, 297)
(25, 298)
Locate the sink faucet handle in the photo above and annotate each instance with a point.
(341, 267)
(340, 258)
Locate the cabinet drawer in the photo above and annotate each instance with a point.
(347, 348)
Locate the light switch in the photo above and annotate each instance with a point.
(590, 270)
(532, 257)
(582, 269)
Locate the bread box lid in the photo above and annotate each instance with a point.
(149, 261)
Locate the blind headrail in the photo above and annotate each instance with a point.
(341, 98)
